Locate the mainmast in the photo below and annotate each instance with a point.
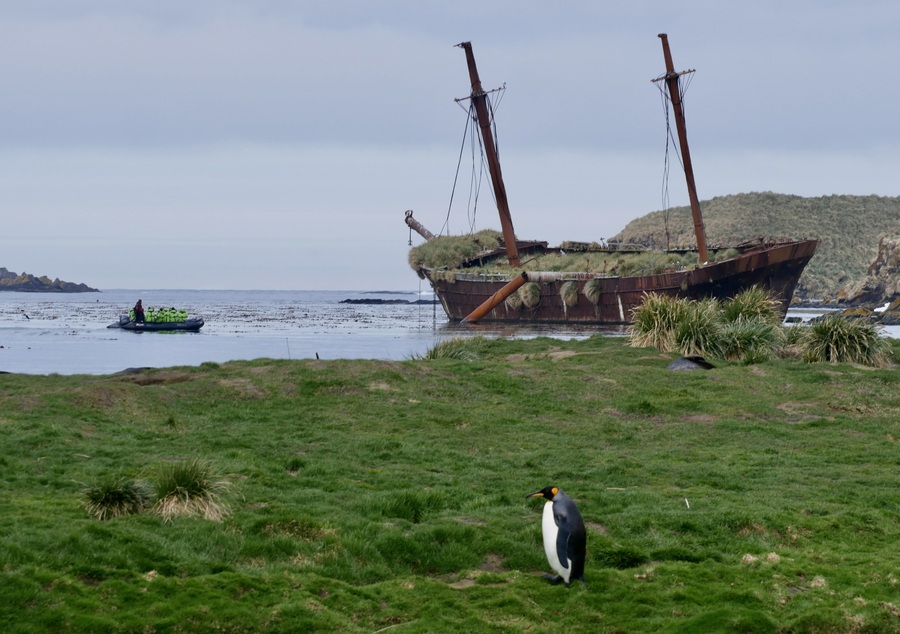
(479, 100)
(672, 79)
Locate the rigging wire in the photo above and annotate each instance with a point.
(476, 176)
(666, 162)
(479, 160)
(446, 226)
(484, 168)
(670, 136)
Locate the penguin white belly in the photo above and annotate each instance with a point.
(550, 530)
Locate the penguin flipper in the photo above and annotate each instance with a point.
(562, 535)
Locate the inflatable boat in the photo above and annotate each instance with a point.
(192, 324)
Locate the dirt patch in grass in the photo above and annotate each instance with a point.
(552, 355)
(300, 530)
(108, 397)
(462, 584)
(705, 419)
(244, 387)
(165, 377)
(493, 563)
(797, 411)
(266, 369)
(102, 396)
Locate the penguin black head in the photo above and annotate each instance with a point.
(547, 492)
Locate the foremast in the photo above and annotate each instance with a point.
(672, 79)
(479, 100)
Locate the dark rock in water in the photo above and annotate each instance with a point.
(860, 312)
(28, 283)
(690, 362)
(888, 317)
(891, 315)
(375, 301)
(793, 320)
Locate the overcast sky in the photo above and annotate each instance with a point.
(275, 144)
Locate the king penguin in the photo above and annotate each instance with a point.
(565, 541)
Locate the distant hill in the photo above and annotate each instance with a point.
(28, 283)
(848, 228)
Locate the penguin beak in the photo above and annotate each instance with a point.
(536, 494)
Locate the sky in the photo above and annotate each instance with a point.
(276, 144)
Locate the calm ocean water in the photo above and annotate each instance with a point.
(44, 333)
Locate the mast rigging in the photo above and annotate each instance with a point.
(672, 84)
(479, 100)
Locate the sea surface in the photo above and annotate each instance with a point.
(46, 333)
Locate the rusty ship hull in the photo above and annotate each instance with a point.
(775, 267)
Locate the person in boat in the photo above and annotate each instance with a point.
(139, 312)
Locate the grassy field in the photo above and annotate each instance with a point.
(371, 496)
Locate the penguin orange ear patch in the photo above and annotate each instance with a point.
(555, 490)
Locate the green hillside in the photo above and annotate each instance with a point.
(848, 228)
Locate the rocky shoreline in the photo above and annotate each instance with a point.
(890, 316)
(28, 283)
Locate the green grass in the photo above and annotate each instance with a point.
(456, 348)
(390, 496)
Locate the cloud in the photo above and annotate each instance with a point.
(260, 139)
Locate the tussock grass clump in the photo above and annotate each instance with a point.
(190, 489)
(701, 330)
(569, 293)
(456, 348)
(838, 340)
(530, 294)
(752, 304)
(743, 328)
(115, 497)
(748, 328)
(514, 301)
(592, 291)
(655, 322)
(751, 340)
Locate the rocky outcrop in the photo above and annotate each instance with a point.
(28, 283)
(882, 282)
(888, 317)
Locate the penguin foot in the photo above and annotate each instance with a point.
(554, 580)
(586, 587)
